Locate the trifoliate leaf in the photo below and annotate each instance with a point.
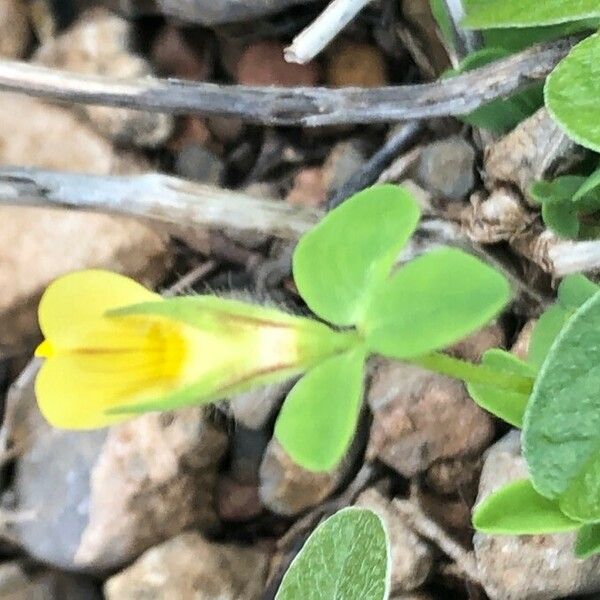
(319, 416)
(588, 540)
(353, 249)
(431, 302)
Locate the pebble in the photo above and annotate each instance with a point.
(175, 54)
(529, 567)
(356, 64)
(447, 168)
(344, 160)
(308, 188)
(262, 64)
(98, 44)
(37, 245)
(19, 581)
(15, 32)
(288, 489)
(420, 417)
(197, 163)
(102, 497)
(411, 557)
(188, 567)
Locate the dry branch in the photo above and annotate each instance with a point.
(308, 107)
(156, 197)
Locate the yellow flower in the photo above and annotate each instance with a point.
(114, 349)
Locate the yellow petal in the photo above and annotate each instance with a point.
(44, 350)
(73, 305)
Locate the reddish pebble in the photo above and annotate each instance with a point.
(237, 501)
(355, 64)
(262, 63)
(308, 189)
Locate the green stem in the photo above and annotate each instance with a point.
(472, 373)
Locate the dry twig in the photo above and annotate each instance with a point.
(310, 41)
(309, 107)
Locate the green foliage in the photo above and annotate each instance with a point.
(318, 419)
(571, 93)
(346, 558)
(566, 201)
(415, 312)
(485, 14)
(352, 250)
(517, 508)
(588, 540)
(560, 434)
(507, 404)
(500, 115)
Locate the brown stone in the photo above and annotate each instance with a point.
(189, 567)
(421, 417)
(174, 55)
(356, 64)
(37, 245)
(308, 188)
(262, 63)
(15, 33)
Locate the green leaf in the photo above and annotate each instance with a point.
(353, 249)
(443, 20)
(561, 217)
(560, 435)
(431, 302)
(549, 325)
(484, 14)
(560, 188)
(517, 509)
(506, 404)
(345, 558)
(572, 90)
(588, 540)
(574, 290)
(500, 115)
(318, 419)
(591, 186)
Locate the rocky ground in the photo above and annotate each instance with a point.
(204, 504)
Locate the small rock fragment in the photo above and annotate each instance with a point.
(356, 64)
(236, 501)
(197, 163)
(454, 474)
(37, 245)
(15, 33)
(521, 346)
(308, 188)
(421, 417)
(446, 168)
(175, 54)
(262, 63)
(17, 582)
(254, 408)
(411, 557)
(536, 149)
(473, 347)
(102, 497)
(529, 567)
(189, 567)
(344, 160)
(98, 44)
(288, 489)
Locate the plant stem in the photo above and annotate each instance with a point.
(472, 373)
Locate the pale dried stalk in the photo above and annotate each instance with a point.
(157, 197)
(308, 107)
(310, 41)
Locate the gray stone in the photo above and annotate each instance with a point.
(342, 162)
(214, 12)
(532, 567)
(447, 168)
(100, 498)
(197, 163)
(190, 568)
(420, 417)
(411, 557)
